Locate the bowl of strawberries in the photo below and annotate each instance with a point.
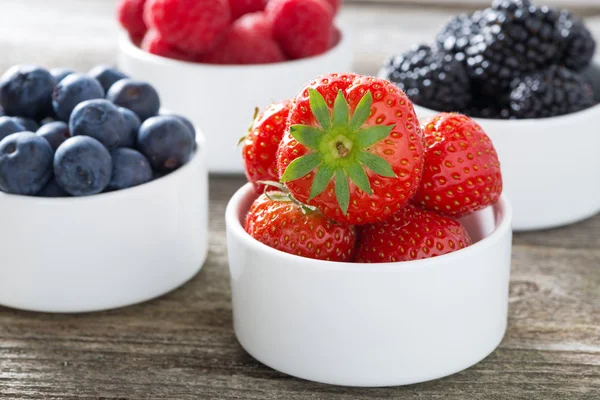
(527, 72)
(212, 58)
(368, 249)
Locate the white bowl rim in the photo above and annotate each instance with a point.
(593, 109)
(39, 200)
(233, 223)
(129, 47)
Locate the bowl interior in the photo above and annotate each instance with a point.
(484, 226)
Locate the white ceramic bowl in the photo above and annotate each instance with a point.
(550, 166)
(370, 324)
(221, 99)
(108, 250)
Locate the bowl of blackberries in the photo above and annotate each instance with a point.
(528, 75)
(106, 190)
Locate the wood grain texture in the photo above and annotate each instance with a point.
(182, 345)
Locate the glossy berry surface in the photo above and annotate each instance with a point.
(101, 120)
(354, 148)
(106, 75)
(242, 7)
(154, 43)
(183, 119)
(72, 90)
(26, 91)
(166, 142)
(82, 166)
(61, 73)
(139, 97)
(10, 125)
(130, 14)
(247, 43)
(285, 226)
(579, 43)
(132, 123)
(261, 144)
(193, 26)
(25, 163)
(412, 234)
(462, 172)
(55, 133)
(303, 28)
(29, 124)
(129, 168)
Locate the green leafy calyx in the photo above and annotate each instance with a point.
(339, 147)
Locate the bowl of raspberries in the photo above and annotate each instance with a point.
(528, 73)
(103, 193)
(368, 248)
(210, 57)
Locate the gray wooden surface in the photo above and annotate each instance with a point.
(182, 345)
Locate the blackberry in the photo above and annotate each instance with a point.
(578, 41)
(592, 75)
(555, 91)
(512, 42)
(430, 78)
(510, 5)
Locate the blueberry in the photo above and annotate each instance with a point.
(55, 133)
(99, 119)
(183, 119)
(133, 125)
(71, 91)
(106, 75)
(130, 168)
(61, 73)
(26, 90)
(53, 189)
(2, 113)
(82, 166)
(139, 97)
(29, 124)
(10, 125)
(166, 142)
(25, 163)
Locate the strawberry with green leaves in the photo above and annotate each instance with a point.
(412, 234)
(262, 142)
(353, 149)
(462, 172)
(279, 221)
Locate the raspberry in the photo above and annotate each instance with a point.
(335, 4)
(130, 14)
(302, 27)
(249, 41)
(193, 26)
(242, 7)
(154, 43)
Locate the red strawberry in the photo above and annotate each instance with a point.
(287, 226)
(302, 27)
(354, 148)
(193, 26)
(241, 7)
(247, 42)
(130, 14)
(153, 43)
(462, 171)
(412, 234)
(260, 146)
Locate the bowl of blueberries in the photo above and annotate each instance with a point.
(103, 194)
(527, 74)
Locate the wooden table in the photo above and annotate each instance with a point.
(182, 345)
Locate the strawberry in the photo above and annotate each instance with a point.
(462, 171)
(302, 27)
(249, 41)
(260, 146)
(412, 234)
(242, 7)
(353, 148)
(130, 14)
(153, 43)
(290, 227)
(192, 26)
